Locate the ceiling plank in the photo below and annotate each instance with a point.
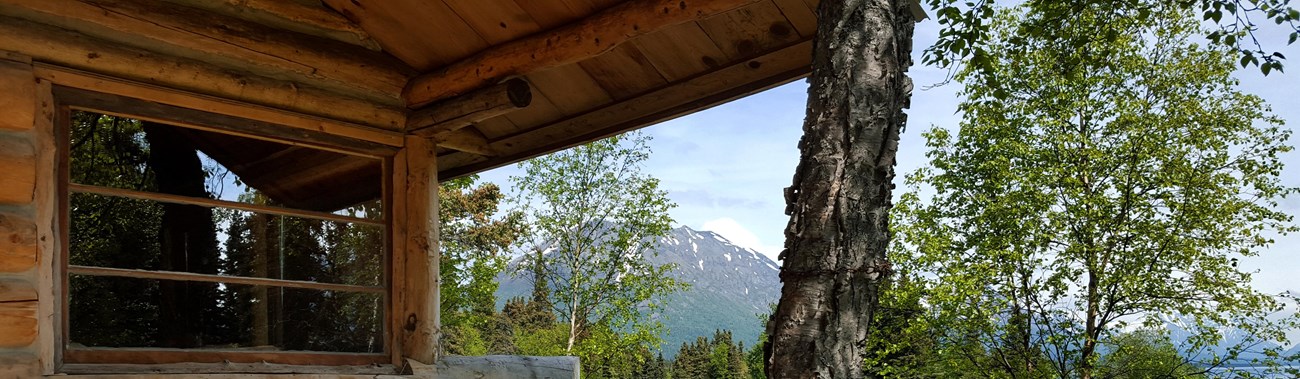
(226, 41)
(725, 83)
(568, 44)
(424, 34)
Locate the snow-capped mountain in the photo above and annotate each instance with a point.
(730, 287)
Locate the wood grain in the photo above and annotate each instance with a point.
(115, 65)
(17, 171)
(568, 44)
(18, 243)
(420, 324)
(17, 96)
(230, 42)
(17, 324)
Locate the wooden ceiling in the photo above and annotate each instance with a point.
(350, 60)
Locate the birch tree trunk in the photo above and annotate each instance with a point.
(839, 202)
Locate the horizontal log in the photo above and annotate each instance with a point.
(65, 48)
(459, 112)
(162, 356)
(508, 366)
(568, 44)
(17, 172)
(307, 18)
(12, 290)
(209, 278)
(19, 365)
(17, 96)
(469, 140)
(17, 324)
(227, 41)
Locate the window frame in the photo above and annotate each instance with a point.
(160, 360)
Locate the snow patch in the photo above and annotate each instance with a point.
(701, 264)
(728, 255)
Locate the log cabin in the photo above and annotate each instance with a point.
(337, 116)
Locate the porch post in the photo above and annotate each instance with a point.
(416, 263)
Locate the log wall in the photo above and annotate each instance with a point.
(26, 216)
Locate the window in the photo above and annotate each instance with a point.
(189, 244)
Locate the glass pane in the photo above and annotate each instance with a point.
(120, 152)
(107, 231)
(128, 312)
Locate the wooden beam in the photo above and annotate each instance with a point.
(509, 366)
(420, 326)
(307, 18)
(699, 92)
(141, 356)
(226, 41)
(568, 44)
(118, 64)
(459, 112)
(469, 140)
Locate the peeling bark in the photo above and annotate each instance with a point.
(838, 204)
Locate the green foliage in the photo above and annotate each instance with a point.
(1144, 354)
(595, 215)
(712, 358)
(1107, 172)
(474, 240)
(967, 26)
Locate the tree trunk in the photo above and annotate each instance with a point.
(839, 202)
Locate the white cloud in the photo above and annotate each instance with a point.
(732, 230)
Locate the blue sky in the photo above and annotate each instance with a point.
(726, 167)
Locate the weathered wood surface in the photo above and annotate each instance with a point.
(78, 51)
(17, 324)
(698, 92)
(156, 356)
(568, 44)
(465, 110)
(508, 367)
(839, 201)
(469, 140)
(306, 18)
(17, 95)
(226, 368)
(17, 171)
(19, 365)
(419, 323)
(12, 290)
(226, 41)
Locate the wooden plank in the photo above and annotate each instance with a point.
(198, 102)
(509, 366)
(226, 368)
(424, 34)
(549, 14)
(193, 119)
(541, 111)
(697, 93)
(681, 51)
(230, 42)
(750, 30)
(209, 278)
(214, 203)
(145, 356)
(469, 140)
(497, 21)
(15, 364)
(623, 72)
(420, 325)
(17, 96)
(499, 126)
(573, 43)
(122, 65)
(17, 171)
(799, 15)
(461, 111)
(306, 18)
(50, 204)
(570, 88)
(17, 324)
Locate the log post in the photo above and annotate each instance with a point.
(456, 113)
(419, 323)
(568, 44)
